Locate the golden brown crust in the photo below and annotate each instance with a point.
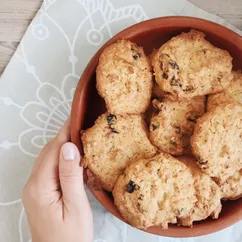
(217, 141)
(155, 192)
(188, 66)
(124, 78)
(233, 93)
(112, 143)
(173, 123)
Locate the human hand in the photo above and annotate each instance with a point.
(54, 198)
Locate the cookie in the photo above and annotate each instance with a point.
(155, 192)
(188, 66)
(172, 125)
(112, 143)
(217, 141)
(207, 192)
(233, 93)
(232, 187)
(124, 78)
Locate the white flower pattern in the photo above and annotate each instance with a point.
(41, 100)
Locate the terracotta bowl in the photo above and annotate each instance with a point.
(87, 105)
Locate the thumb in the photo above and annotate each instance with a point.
(71, 174)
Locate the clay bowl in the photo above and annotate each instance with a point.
(87, 105)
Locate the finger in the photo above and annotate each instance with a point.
(49, 157)
(64, 133)
(71, 175)
(74, 198)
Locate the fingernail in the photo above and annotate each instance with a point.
(68, 152)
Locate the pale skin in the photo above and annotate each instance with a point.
(54, 198)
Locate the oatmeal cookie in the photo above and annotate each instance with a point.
(155, 192)
(124, 78)
(112, 143)
(188, 66)
(217, 141)
(173, 124)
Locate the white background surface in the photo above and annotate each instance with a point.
(36, 92)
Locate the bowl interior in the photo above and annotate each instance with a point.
(88, 105)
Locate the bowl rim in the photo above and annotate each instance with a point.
(80, 95)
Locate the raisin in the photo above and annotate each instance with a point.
(204, 51)
(220, 76)
(201, 161)
(173, 65)
(174, 143)
(136, 54)
(154, 126)
(188, 88)
(175, 82)
(192, 120)
(111, 117)
(131, 187)
(141, 197)
(114, 131)
(165, 76)
(136, 57)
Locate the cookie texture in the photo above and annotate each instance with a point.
(124, 78)
(112, 143)
(233, 93)
(173, 124)
(208, 194)
(155, 192)
(217, 141)
(232, 187)
(188, 66)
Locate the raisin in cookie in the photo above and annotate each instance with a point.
(155, 192)
(233, 93)
(207, 192)
(232, 187)
(217, 141)
(188, 66)
(112, 143)
(124, 78)
(173, 124)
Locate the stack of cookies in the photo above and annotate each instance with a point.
(169, 145)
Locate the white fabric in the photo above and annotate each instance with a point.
(36, 92)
